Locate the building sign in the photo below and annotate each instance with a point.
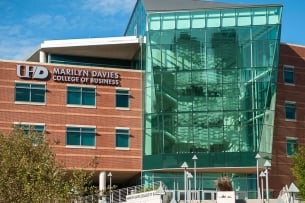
(66, 75)
(86, 76)
(34, 72)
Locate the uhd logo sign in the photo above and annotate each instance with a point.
(34, 72)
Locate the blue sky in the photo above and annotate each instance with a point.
(25, 24)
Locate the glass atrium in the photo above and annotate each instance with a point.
(210, 88)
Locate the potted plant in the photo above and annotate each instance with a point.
(225, 192)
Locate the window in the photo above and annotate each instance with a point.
(122, 98)
(291, 146)
(84, 96)
(80, 136)
(122, 138)
(288, 74)
(27, 92)
(38, 130)
(26, 127)
(290, 110)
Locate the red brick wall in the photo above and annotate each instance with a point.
(56, 115)
(280, 174)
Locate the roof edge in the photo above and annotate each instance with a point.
(292, 44)
(219, 8)
(89, 41)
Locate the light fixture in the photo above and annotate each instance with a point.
(110, 186)
(195, 175)
(257, 157)
(292, 190)
(262, 175)
(185, 166)
(267, 165)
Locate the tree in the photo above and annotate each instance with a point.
(29, 172)
(224, 184)
(298, 170)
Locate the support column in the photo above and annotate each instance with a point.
(102, 181)
(42, 57)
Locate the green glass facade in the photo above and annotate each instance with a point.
(210, 88)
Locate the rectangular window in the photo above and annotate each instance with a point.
(243, 17)
(122, 138)
(290, 110)
(26, 127)
(80, 136)
(37, 130)
(155, 22)
(213, 18)
(198, 19)
(259, 16)
(28, 92)
(291, 146)
(274, 14)
(228, 18)
(122, 98)
(183, 21)
(83, 96)
(288, 74)
(168, 21)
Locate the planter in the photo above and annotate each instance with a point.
(225, 197)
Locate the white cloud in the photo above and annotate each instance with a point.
(13, 43)
(109, 7)
(41, 19)
(22, 36)
(12, 49)
(45, 21)
(10, 30)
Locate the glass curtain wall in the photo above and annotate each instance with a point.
(210, 86)
(137, 22)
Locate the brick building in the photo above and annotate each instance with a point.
(87, 113)
(289, 114)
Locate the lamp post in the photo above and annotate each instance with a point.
(195, 175)
(174, 194)
(173, 201)
(110, 189)
(257, 157)
(262, 175)
(292, 190)
(267, 165)
(185, 166)
(160, 191)
(189, 176)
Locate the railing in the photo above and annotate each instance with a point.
(149, 190)
(119, 195)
